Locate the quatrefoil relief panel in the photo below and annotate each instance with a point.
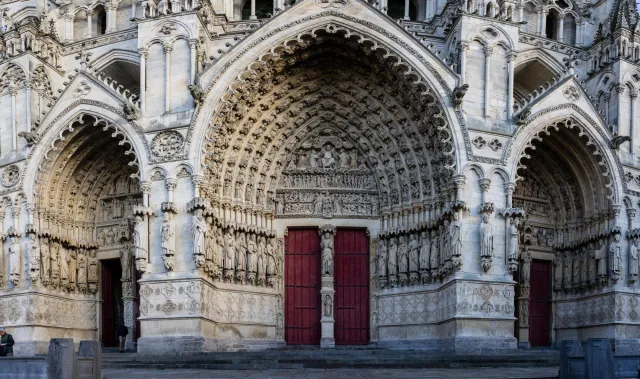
(10, 176)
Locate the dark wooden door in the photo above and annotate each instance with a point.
(302, 287)
(351, 282)
(540, 304)
(111, 300)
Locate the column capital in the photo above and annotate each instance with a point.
(509, 187)
(193, 43)
(171, 184)
(464, 45)
(488, 51)
(167, 47)
(631, 213)
(485, 183)
(145, 187)
(459, 180)
(144, 52)
(620, 88)
(511, 56)
(633, 94)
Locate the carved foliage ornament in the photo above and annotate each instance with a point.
(167, 144)
(10, 176)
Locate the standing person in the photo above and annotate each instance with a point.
(122, 336)
(6, 341)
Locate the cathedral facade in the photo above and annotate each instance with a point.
(217, 175)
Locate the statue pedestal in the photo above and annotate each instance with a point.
(327, 339)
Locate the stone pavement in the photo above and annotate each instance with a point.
(475, 373)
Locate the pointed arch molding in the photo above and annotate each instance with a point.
(595, 138)
(431, 74)
(53, 138)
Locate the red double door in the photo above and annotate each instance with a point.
(302, 287)
(540, 304)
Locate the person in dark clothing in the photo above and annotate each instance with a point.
(6, 341)
(122, 336)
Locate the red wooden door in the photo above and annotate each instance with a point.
(540, 304)
(302, 287)
(351, 283)
(111, 294)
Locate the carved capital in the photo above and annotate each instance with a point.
(509, 187)
(631, 213)
(327, 228)
(167, 48)
(171, 184)
(615, 210)
(145, 187)
(620, 88)
(464, 45)
(485, 183)
(144, 52)
(488, 51)
(511, 56)
(459, 180)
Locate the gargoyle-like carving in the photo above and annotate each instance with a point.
(31, 137)
(131, 112)
(618, 140)
(197, 93)
(458, 94)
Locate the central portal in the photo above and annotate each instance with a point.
(302, 282)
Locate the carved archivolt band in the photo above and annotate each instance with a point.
(328, 78)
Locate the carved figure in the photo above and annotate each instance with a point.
(82, 272)
(229, 254)
(566, 272)
(601, 258)
(403, 259)
(55, 262)
(63, 262)
(33, 252)
(615, 253)
(575, 270)
(633, 260)
(455, 241)
(271, 269)
(31, 137)
(326, 246)
(425, 246)
(92, 273)
(514, 240)
(15, 255)
(200, 228)
(131, 112)
(241, 256)
(45, 262)
(168, 241)
(125, 263)
(525, 275)
(327, 306)
(328, 160)
(434, 258)
(392, 266)
(382, 258)
(557, 271)
(261, 266)
(414, 255)
(458, 94)
(252, 255)
(141, 254)
(197, 93)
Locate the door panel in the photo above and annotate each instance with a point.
(112, 298)
(351, 310)
(540, 303)
(302, 287)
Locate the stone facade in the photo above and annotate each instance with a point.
(181, 140)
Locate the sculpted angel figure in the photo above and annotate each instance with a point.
(200, 229)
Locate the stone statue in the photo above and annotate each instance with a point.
(200, 228)
(557, 271)
(15, 258)
(326, 246)
(575, 270)
(434, 258)
(229, 254)
(271, 269)
(252, 256)
(514, 241)
(392, 266)
(403, 261)
(455, 236)
(261, 266)
(328, 160)
(615, 254)
(45, 262)
(327, 306)
(566, 272)
(219, 249)
(601, 258)
(55, 262)
(525, 275)
(633, 260)
(125, 263)
(382, 259)
(313, 159)
(425, 246)
(168, 241)
(72, 262)
(33, 252)
(414, 254)
(584, 272)
(64, 266)
(141, 254)
(82, 272)
(317, 204)
(92, 272)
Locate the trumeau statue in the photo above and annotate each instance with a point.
(326, 247)
(125, 263)
(15, 259)
(525, 275)
(168, 241)
(200, 228)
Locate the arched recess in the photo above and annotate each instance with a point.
(564, 179)
(328, 99)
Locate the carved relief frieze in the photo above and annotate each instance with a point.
(49, 310)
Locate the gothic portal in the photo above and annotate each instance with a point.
(215, 176)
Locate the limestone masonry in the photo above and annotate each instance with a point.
(216, 175)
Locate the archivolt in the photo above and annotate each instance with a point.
(329, 77)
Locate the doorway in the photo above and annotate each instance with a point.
(112, 306)
(540, 304)
(302, 287)
(351, 310)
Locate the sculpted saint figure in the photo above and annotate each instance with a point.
(455, 236)
(92, 276)
(252, 254)
(219, 252)
(72, 262)
(55, 261)
(141, 254)
(317, 204)
(229, 254)
(425, 246)
(526, 267)
(444, 244)
(64, 267)
(45, 262)
(434, 259)
(200, 228)
(125, 262)
(82, 271)
(557, 271)
(382, 258)
(15, 255)
(566, 272)
(601, 258)
(615, 252)
(575, 270)
(486, 238)
(313, 159)
(168, 241)
(328, 160)
(392, 267)
(261, 266)
(33, 252)
(584, 272)
(414, 254)
(633, 259)
(403, 261)
(271, 262)
(514, 240)
(326, 245)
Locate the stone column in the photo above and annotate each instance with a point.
(607, 98)
(111, 18)
(632, 119)
(406, 9)
(253, 10)
(28, 106)
(539, 24)
(143, 79)
(520, 9)
(3, 238)
(327, 234)
(511, 57)
(543, 27)
(620, 89)
(561, 29)
(129, 303)
(14, 126)
(464, 47)
(192, 49)
(488, 51)
(167, 87)
(89, 25)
